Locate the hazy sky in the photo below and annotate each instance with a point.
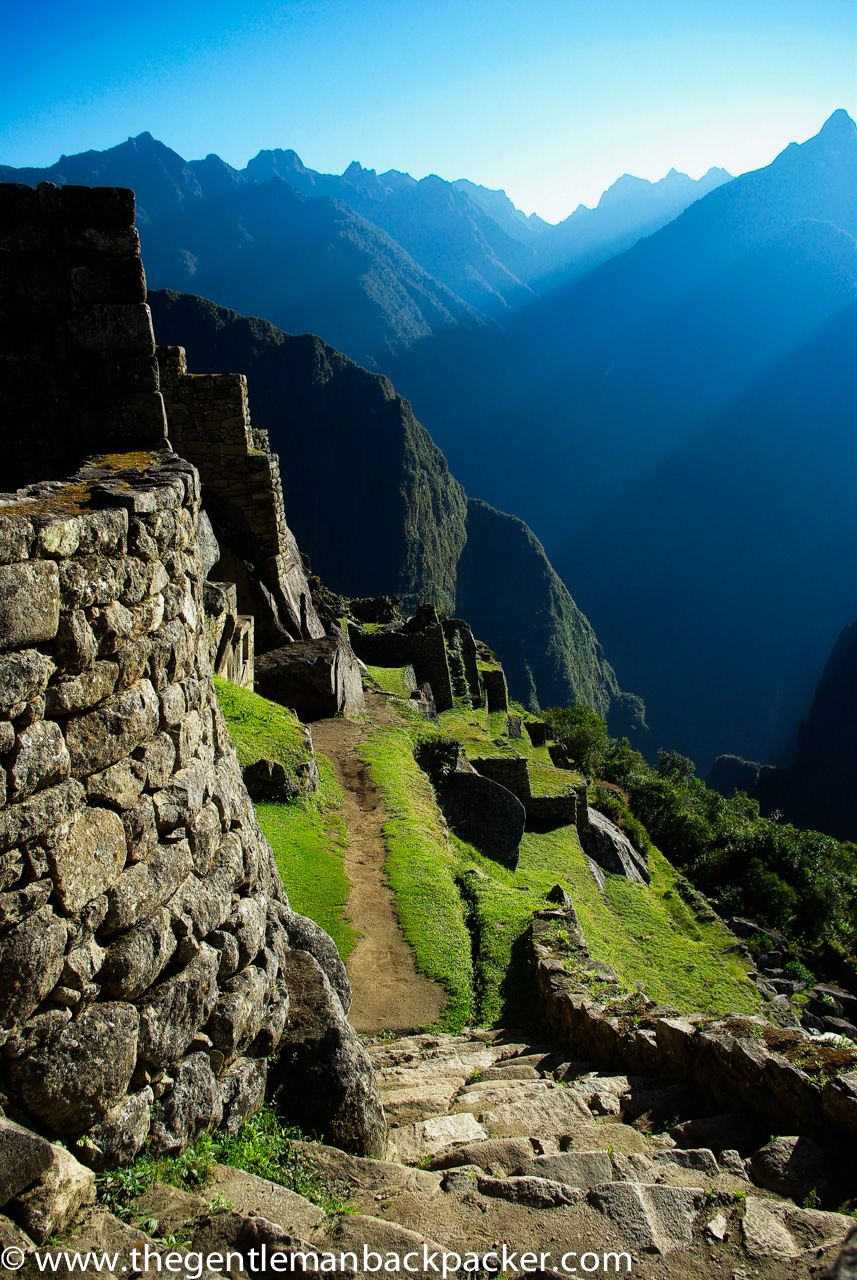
(549, 99)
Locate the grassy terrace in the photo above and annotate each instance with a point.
(306, 834)
(466, 917)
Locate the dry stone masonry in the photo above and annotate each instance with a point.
(145, 936)
(78, 373)
(210, 425)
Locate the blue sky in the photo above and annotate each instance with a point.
(551, 100)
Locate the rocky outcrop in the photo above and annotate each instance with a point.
(317, 678)
(610, 848)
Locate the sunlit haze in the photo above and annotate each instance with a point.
(551, 100)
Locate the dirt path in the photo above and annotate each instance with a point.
(389, 993)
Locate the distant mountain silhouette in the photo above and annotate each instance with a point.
(371, 500)
(450, 239)
(594, 393)
(306, 264)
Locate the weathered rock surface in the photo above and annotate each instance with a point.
(611, 849)
(317, 678)
(790, 1166)
(485, 814)
(323, 1070)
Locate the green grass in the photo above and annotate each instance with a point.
(422, 870)
(261, 729)
(469, 930)
(306, 834)
(400, 681)
(263, 1146)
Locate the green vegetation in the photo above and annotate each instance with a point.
(467, 917)
(421, 868)
(306, 834)
(263, 1146)
(802, 882)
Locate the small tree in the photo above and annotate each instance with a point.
(583, 734)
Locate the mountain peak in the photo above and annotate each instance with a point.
(838, 126)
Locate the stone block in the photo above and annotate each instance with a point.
(39, 759)
(192, 1106)
(485, 814)
(119, 786)
(317, 678)
(89, 859)
(96, 739)
(145, 886)
(136, 960)
(53, 1203)
(78, 692)
(40, 813)
(172, 1012)
(29, 603)
(23, 678)
(73, 1079)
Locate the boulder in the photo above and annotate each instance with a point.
(790, 1166)
(31, 961)
(191, 1107)
(323, 1072)
(485, 814)
(269, 780)
(306, 935)
(242, 1091)
(120, 1135)
(24, 1158)
(54, 1201)
(317, 678)
(72, 1079)
(611, 849)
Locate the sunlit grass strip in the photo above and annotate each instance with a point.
(306, 834)
(421, 870)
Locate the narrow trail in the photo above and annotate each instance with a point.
(389, 993)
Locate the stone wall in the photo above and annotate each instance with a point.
(210, 426)
(144, 930)
(744, 1065)
(145, 936)
(78, 373)
(512, 773)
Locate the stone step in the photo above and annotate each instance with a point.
(413, 1143)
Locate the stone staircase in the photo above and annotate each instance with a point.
(498, 1143)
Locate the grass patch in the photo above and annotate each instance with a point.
(263, 1146)
(422, 872)
(261, 729)
(467, 917)
(306, 834)
(399, 681)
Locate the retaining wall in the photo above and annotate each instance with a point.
(745, 1064)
